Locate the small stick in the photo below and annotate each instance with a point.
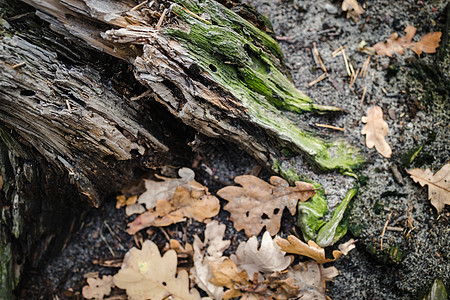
(384, 230)
(319, 59)
(329, 127)
(68, 106)
(139, 5)
(320, 78)
(365, 67)
(106, 242)
(392, 228)
(18, 65)
(346, 63)
(352, 81)
(161, 19)
(338, 50)
(195, 15)
(112, 232)
(363, 95)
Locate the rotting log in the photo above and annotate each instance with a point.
(117, 87)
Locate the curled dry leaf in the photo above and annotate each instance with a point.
(226, 274)
(396, 44)
(352, 8)
(206, 253)
(438, 185)
(98, 288)
(375, 130)
(268, 259)
(165, 189)
(257, 203)
(312, 250)
(195, 203)
(147, 275)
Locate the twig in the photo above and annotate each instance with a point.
(161, 19)
(338, 51)
(319, 59)
(365, 67)
(106, 242)
(352, 81)
(112, 232)
(346, 63)
(68, 106)
(320, 78)
(384, 230)
(392, 228)
(363, 96)
(329, 127)
(139, 5)
(195, 15)
(165, 233)
(18, 65)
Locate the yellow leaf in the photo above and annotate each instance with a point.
(375, 130)
(312, 250)
(438, 185)
(257, 203)
(147, 275)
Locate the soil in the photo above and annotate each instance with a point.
(414, 95)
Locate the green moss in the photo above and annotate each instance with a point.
(247, 62)
(438, 291)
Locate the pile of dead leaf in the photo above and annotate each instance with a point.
(255, 271)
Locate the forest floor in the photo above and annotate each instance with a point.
(406, 87)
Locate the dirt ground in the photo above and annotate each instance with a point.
(415, 105)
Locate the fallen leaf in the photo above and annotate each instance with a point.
(310, 278)
(438, 185)
(396, 44)
(312, 250)
(206, 253)
(226, 274)
(97, 288)
(375, 130)
(352, 8)
(195, 203)
(146, 275)
(257, 203)
(428, 43)
(165, 189)
(268, 259)
(134, 209)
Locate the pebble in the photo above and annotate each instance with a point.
(331, 9)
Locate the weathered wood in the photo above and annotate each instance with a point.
(71, 129)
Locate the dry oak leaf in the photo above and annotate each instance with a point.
(375, 130)
(268, 259)
(310, 279)
(396, 44)
(226, 274)
(147, 275)
(352, 8)
(196, 203)
(207, 252)
(257, 203)
(97, 288)
(165, 189)
(312, 250)
(438, 185)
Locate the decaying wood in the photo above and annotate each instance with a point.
(68, 131)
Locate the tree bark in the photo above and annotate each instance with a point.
(117, 87)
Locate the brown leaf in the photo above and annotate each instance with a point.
(312, 250)
(375, 130)
(226, 274)
(195, 203)
(147, 275)
(257, 203)
(97, 288)
(352, 8)
(428, 43)
(396, 44)
(438, 185)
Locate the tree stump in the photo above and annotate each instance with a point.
(111, 88)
